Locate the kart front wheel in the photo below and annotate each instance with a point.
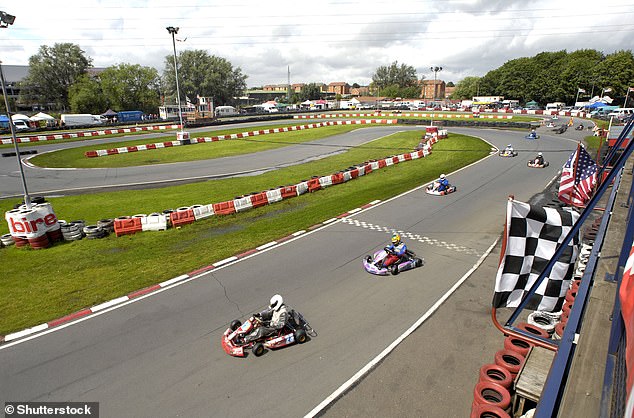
(258, 349)
(300, 336)
(419, 262)
(394, 270)
(235, 324)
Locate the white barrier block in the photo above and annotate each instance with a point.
(388, 162)
(346, 176)
(361, 170)
(374, 165)
(154, 222)
(302, 187)
(325, 181)
(274, 195)
(203, 211)
(121, 150)
(242, 203)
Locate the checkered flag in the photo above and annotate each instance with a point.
(533, 235)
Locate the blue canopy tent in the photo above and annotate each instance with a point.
(596, 105)
(4, 121)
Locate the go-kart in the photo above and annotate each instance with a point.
(533, 164)
(374, 264)
(532, 135)
(433, 189)
(505, 153)
(296, 330)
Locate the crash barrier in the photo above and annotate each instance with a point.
(87, 134)
(159, 145)
(407, 115)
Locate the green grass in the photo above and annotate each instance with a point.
(75, 157)
(40, 285)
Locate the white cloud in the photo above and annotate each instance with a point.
(321, 41)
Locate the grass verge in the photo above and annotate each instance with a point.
(38, 286)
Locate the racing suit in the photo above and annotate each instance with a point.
(508, 150)
(539, 160)
(273, 321)
(396, 252)
(443, 184)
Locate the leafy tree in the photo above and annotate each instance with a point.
(401, 76)
(467, 88)
(451, 84)
(616, 71)
(51, 73)
(86, 96)
(310, 91)
(131, 87)
(204, 75)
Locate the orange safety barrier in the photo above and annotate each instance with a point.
(354, 173)
(368, 168)
(395, 160)
(182, 217)
(408, 156)
(288, 191)
(112, 151)
(132, 149)
(382, 163)
(259, 199)
(313, 184)
(126, 225)
(150, 146)
(90, 154)
(224, 208)
(337, 178)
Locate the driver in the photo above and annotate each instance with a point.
(539, 160)
(274, 318)
(533, 133)
(443, 183)
(396, 250)
(508, 149)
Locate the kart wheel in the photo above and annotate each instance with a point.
(258, 349)
(368, 258)
(418, 262)
(300, 336)
(235, 324)
(394, 270)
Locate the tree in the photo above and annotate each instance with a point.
(86, 96)
(131, 87)
(203, 75)
(310, 91)
(51, 73)
(401, 76)
(467, 88)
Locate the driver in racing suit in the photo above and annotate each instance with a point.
(443, 183)
(539, 160)
(396, 250)
(508, 149)
(274, 318)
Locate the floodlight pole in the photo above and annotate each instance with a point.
(6, 21)
(173, 31)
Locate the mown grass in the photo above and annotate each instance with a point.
(39, 285)
(75, 157)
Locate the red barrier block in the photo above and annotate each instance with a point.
(288, 191)
(132, 149)
(313, 184)
(408, 156)
(91, 154)
(395, 160)
(259, 199)
(354, 173)
(224, 208)
(382, 163)
(182, 217)
(126, 225)
(112, 151)
(150, 146)
(337, 178)
(368, 168)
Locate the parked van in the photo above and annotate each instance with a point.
(221, 111)
(21, 125)
(79, 119)
(622, 113)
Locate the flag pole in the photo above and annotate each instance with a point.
(626, 96)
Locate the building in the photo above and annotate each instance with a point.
(339, 87)
(433, 90)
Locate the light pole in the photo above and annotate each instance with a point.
(173, 31)
(6, 20)
(435, 70)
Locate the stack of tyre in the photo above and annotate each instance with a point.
(6, 240)
(76, 230)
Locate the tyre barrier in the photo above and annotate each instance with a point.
(94, 232)
(488, 411)
(40, 242)
(6, 240)
(543, 321)
(532, 329)
(496, 374)
(492, 394)
(510, 360)
(559, 330)
(71, 231)
(20, 242)
(106, 225)
(518, 345)
(55, 235)
(571, 295)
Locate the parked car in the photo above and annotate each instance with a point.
(21, 125)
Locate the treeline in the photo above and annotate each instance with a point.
(555, 77)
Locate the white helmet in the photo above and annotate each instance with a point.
(276, 302)
(509, 145)
(539, 153)
(442, 176)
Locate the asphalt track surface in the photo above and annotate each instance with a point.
(160, 355)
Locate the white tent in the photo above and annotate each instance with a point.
(41, 116)
(19, 116)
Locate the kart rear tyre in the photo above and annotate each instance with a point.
(258, 349)
(419, 262)
(368, 258)
(300, 336)
(394, 270)
(235, 324)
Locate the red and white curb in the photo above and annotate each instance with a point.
(155, 288)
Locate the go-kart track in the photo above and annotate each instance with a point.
(161, 354)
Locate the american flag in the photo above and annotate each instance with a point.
(576, 184)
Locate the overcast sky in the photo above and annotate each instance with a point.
(321, 41)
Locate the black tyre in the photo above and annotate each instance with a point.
(419, 262)
(368, 258)
(258, 349)
(300, 336)
(235, 324)
(394, 270)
